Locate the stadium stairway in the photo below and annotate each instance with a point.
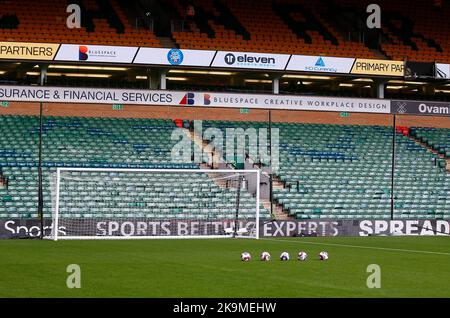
(278, 212)
(444, 160)
(216, 161)
(436, 141)
(167, 42)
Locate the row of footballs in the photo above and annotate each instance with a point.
(265, 256)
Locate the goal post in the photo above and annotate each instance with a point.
(110, 203)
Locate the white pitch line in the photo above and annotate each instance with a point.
(359, 246)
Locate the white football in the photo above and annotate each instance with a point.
(323, 256)
(284, 256)
(245, 257)
(302, 256)
(265, 256)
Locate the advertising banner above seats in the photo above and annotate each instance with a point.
(323, 64)
(420, 108)
(227, 100)
(28, 51)
(25, 228)
(250, 60)
(96, 53)
(82, 53)
(196, 99)
(378, 67)
(174, 57)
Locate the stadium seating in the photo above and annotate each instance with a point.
(339, 172)
(410, 32)
(111, 143)
(327, 171)
(106, 24)
(423, 185)
(266, 30)
(281, 26)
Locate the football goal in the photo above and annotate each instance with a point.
(91, 203)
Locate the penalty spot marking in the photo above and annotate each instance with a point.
(361, 246)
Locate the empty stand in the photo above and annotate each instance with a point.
(266, 26)
(414, 32)
(344, 172)
(104, 24)
(103, 142)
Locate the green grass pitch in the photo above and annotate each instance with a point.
(410, 267)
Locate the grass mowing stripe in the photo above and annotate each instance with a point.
(360, 246)
(212, 268)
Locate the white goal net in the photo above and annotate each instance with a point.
(154, 203)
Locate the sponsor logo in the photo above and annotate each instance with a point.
(206, 99)
(320, 66)
(248, 60)
(320, 62)
(401, 108)
(325, 64)
(188, 99)
(407, 107)
(82, 50)
(230, 59)
(85, 53)
(175, 57)
(27, 51)
(16, 228)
